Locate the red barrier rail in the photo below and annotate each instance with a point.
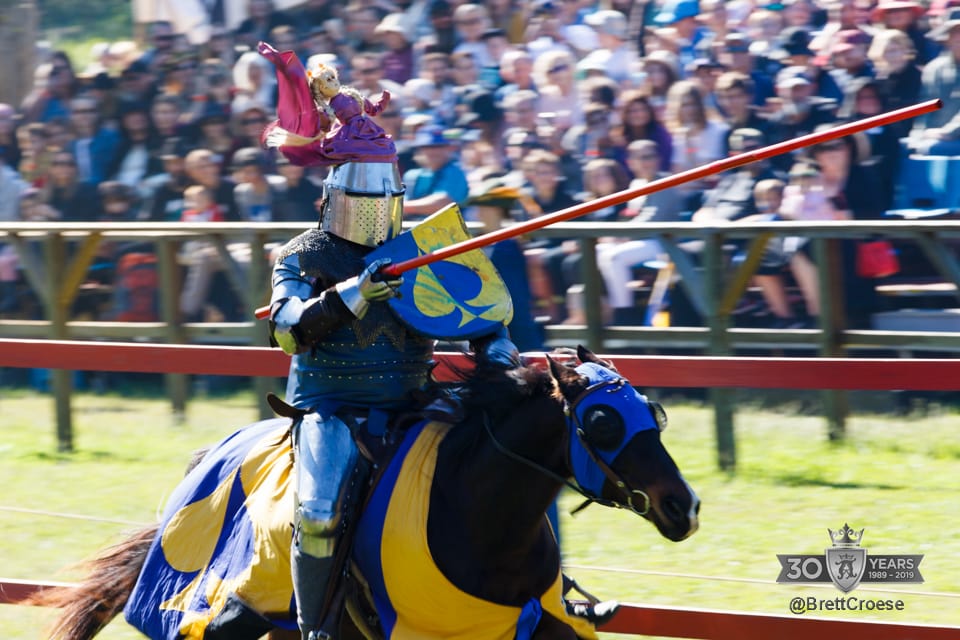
(643, 371)
(683, 622)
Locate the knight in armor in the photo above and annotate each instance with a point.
(355, 364)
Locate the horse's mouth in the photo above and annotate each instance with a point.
(674, 521)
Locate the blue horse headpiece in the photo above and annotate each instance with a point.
(611, 391)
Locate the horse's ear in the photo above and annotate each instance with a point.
(564, 375)
(586, 355)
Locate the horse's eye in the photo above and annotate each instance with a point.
(603, 427)
(659, 414)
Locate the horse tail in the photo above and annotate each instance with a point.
(89, 607)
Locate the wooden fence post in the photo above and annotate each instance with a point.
(57, 308)
(718, 322)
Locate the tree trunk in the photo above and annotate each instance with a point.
(18, 37)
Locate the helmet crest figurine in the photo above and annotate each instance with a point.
(321, 122)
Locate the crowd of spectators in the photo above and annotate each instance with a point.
(561, 100)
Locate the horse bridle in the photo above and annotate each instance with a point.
(615, 478)
(570, 409)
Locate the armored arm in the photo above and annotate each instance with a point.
(300, 319)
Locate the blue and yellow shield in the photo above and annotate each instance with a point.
(460, 298)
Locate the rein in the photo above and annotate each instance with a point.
(536, 466)
(608, 472)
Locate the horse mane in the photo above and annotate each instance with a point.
(493, 394)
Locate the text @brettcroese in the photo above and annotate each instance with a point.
(813, 604)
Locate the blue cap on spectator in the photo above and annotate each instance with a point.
(676, 10)
(430, 136)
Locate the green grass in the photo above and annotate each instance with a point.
(896, 477)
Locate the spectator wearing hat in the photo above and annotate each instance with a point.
(495, 204)
(794, 50)
(397, 59)
(164, 192)
(904, 16)
(899, 78)
(681, 16)
(256, 192)
(849, 57)
(438, 179)
(796, 111)
(842, 15)
(735, 54)
(614, 53)
(938, 132)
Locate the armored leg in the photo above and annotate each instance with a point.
(325, 457)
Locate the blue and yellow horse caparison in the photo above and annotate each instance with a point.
(453, 543)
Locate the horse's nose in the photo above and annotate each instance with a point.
(674, 511)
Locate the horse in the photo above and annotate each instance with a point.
(474, 494)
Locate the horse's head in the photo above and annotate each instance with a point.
(615, 451)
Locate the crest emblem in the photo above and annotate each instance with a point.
(846, 560)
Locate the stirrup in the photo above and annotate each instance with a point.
(597, 614)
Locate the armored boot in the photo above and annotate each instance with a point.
(325, 460)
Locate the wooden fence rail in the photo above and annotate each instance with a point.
(711, 283)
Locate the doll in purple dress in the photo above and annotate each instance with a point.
(320, 122)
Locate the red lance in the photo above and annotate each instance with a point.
(709, 169)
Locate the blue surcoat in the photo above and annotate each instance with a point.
(373, 362)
